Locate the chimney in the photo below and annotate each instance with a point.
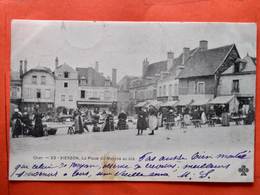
(114, 71)
(25, 65)
(21, 68)
(145, 66)
(90, 78)
(170, 58)
(203, 45)
(56, 62)
(185, 56)
(96, 66)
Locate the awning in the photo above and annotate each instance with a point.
(169, 103)
(184, 101)
(154, 103)
(141, 104)
(222, 100)
(93, 103)
(200, 101)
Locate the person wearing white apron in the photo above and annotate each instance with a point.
(153, 121)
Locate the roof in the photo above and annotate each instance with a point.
(154, 103)
(204, 63)
(40, 69)
(141, 104)
(253, 59)
(184, 101)
(199, 101)
(156, 68)
(222, 99)
(169, 103)
(64, 65)
(97, 79)
(178, 61)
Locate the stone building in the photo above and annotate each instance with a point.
(95, 91)
(38, 86)
(123, 100)
(239, 80)
(66, 86)
(201, 72)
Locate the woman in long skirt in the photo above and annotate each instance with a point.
(153, 121)
(38, 127)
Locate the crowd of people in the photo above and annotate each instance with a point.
(23, 125)
(152, 118)
(147, 118)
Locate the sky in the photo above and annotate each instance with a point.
(120, 45)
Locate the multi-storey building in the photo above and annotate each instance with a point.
(38, 86)
(95, 91)
(66, 86)
(237, 78)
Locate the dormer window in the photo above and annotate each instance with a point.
(236, 67)
(83, 81)
(66, 74)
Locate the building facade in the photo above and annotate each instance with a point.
(235, 80)
(96, 91)
(66, 86)
(201, 71)
(38, 88)
(15, 88)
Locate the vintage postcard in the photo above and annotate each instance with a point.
(132, 101)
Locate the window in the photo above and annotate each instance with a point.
(47, 93)
(170, 90)
(62, 98)
(160, 91)
(38, 93)
(83, 81)
(82, 94)
(66, 84)
(34, 79)
(43, 80)
(70, 98)
(236, 67)
(164, 90)
(66, 74)
(200, 88)
(235, 86)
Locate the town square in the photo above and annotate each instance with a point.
(126, 88)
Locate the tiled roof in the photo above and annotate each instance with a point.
(204, 63)
(97, 78)
(40, 69)
(156, 68)
(254, 60)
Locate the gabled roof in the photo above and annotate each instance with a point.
(40, 69)
(97, 78)
(156, 68)
(66, 66)
(204, 63)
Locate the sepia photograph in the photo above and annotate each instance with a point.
(132, 101)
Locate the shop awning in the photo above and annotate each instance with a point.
(200, 101)
(184, 101)
(169, 103)
(222, 100)
(141, 104)
(154, 103)
(93, 103)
